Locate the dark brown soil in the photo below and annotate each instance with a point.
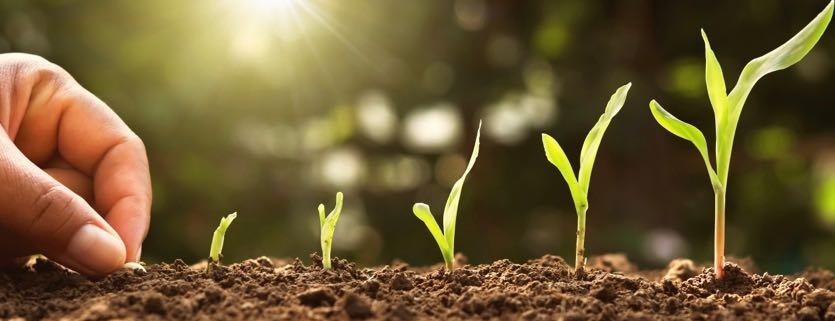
(541, 289)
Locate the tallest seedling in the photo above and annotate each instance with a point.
(580, 187)
(727, 108)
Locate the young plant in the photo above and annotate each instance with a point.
(579, 188)
(328, 224)
(727, 108)
(446, 239)
(217, 239)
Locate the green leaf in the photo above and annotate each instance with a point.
(328, 225)
(557, 157)
(451, 208)
(446, 238)
(595, 136)
(422, 212)
(686, 131)
(579, 189)
(321, 215)
(784, 56)
(217, 238)
(715, 82)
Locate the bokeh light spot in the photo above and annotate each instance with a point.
(376, 118)
(510, 120)
(470, 14)
(824, 191)
(771, 142)
(432, 129)
(687, 78)
(550, 38)
(402, 172)
(539, 78)
(662, 245)
(342, 168)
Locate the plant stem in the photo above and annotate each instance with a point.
(326, 258)
(719, 235)
(449, 260)
(580, 254)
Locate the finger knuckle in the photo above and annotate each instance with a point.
(34, 72)
(21, 58)
(137, 142)
(39, 68)
(53, 210)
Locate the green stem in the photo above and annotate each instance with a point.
(326, 256)
(449, 260)
(719, 235)
(580, 254)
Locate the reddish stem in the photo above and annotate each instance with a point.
(719, 236)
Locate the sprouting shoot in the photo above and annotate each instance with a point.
(217, 238)
(726, 110)
(579, 188)
(327, 224)
(446, 238)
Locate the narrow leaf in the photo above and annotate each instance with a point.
(451, 208)
(686, 131)
(219, 235)
(321, 215)
(784, 56)
(617, 100)
(422, 212)
(329, 224)
(595, 136)
(715, 81)
(557, 157)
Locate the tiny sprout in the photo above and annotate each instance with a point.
(580, 188)
(446, 239)
(328, 225)
(217, 238)
(134, 266)
(727, 107)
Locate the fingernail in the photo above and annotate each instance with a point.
(139, 254)
(96, 250)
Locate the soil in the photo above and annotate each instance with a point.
(542, 289)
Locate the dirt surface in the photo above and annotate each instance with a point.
(540, 289)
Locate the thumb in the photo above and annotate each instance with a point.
(52, 219)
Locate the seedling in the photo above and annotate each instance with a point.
(134, 266)
(727, 108)
(446, 239)
(580, 188)
(328, 225)
(217, 239)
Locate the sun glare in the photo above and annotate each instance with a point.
(269, 33)
(267, 5)
(256, 26)
(284, 19)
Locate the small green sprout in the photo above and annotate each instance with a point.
(217, 238)
(728, 106)
(446, 239)
(580, 188)
(328, 225)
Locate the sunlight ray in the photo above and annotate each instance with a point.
(313, 12)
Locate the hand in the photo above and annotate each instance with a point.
(74, 181)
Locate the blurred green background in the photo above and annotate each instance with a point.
(268, 107)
